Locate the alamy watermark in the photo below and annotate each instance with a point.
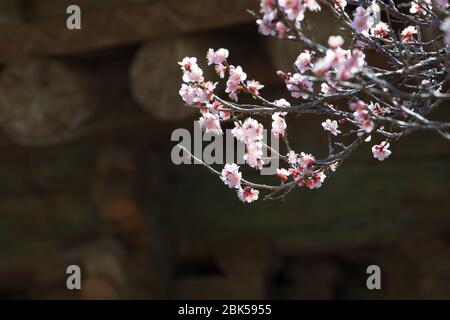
(211, 149)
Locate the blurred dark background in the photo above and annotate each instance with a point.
(86, 176)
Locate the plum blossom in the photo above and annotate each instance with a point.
(335, 42)
(278, 124)
(323, 65)
(267, 6)
(362, 116)
(188, 94)
(445, 26)
(254, 155)
(417, 71)
(380, 30)
(267, 25)
(225, 115)
(333, 167)
(307, 160)
(339, 3)
(196, 96)
(237, 76)
(331, 126)
(191, 71)
(408, 34)
(298, 84)
(314, 181)
(326, 89)
(346, 63)
(313, 5)
(293, 157)
(247, 194)
(381, 151)
(217, 57)
(304, 61)
(210, 123)
(249, 132)
(294, 9)
(420, 6)
(282, 103)
(362, 20)
(283, 174)
(353, 64)
(231, 175)
(254, 86)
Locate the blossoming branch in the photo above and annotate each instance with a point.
(382, 104)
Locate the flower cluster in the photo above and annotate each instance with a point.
(344, 64)
(354, 99)
(279, 16)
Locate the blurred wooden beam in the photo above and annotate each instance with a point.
(117, 25)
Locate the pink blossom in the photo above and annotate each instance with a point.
(297, 83)
(323, 65)
(254, 154)
(333, 167)
(362, 20)
(267, 6)
(231, 176)
(304, 61)
(283, 174)
(282, 103)
(296, 172)
(312, 5)
(381, 151)
(408, 34)
(380, 30)
(266, 26)
(294, 9)
(445, 26)
(350, 66)
(307, 160)
(278, 125)
(210, 123)
(326, 89)
(237, 74)
(340, 3)
(250, 131)
(206, 92)
(188, 94)
(420, 6)
(314, 181)
(225, 115)
(192, 72)
(293, 157)
(331, 126)
(217, 57)
(335, 41)
(220, 70)
(361, 116)
(248, 194)
(254, 86)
